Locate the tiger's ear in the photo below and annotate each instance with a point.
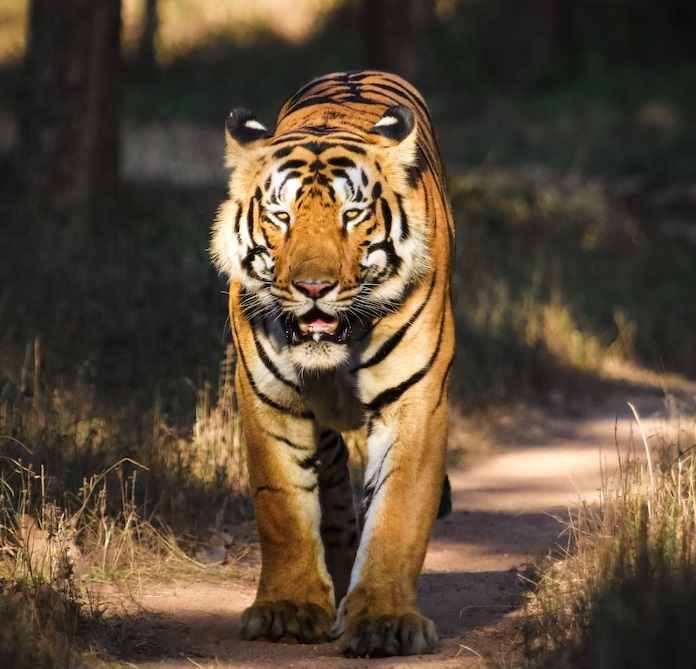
(244, 130)
(398, 133)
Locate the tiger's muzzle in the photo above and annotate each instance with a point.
(316, 326)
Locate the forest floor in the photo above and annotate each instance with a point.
(510, 507)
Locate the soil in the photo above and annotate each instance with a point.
(509, 508)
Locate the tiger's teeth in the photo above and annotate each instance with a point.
(316, 336)
(318, 326)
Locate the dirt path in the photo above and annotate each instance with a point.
(506, 510)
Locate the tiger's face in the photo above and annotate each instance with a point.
(320, 231)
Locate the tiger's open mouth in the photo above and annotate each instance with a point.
(315, 326)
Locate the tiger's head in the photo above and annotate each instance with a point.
(324, 231)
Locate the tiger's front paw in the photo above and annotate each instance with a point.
(305, 622)
(408, 634)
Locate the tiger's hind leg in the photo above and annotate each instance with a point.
(339, 528)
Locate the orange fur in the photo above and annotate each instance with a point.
(337, 238)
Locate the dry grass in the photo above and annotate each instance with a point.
(624, 594)
(541, 315)
(62, 533)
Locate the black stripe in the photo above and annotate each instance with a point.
(375, 491)
(341, 161)
(320, 130)
(270, 365)
(293, 174)
(267, 400)
(292, 100)
(388, 346)
(430, 160)
(237, 220)
(308, 488)
(387, 215)
(291, 444)
(267, 488)
(405, 230)
(415, 172)
(317, 147)
(444, 386)
(393, 259)
(405, 95)
(317, 165)
(294, 163)
(353, 148)
(392, 394)
(281, 153)
(300, 138)
(339, 173)
(249, 259)
(370, 491)
(310, 462)
(289, 138)
(250, 219)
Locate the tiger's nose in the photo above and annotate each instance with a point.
(314, 288)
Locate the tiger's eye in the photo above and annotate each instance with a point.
(351, 214)
(282, 216)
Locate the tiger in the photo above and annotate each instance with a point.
(336, 237)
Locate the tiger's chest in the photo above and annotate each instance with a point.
(334, 398)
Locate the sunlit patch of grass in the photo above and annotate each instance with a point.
(549, 276)
(217, 446)
(624, 594)
(533, 196)
(513, 218)
(188, 24)
(13, 22)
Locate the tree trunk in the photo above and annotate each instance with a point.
(396, 37)
(147, 46)
(69, 113)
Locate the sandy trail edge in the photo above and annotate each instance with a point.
(508, 509)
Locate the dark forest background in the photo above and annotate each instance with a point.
(571, 120)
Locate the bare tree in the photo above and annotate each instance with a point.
(68, 147)
(396, 36)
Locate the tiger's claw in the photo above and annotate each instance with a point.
(306, 623)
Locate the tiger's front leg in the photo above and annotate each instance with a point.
(295, 596)
(380, 615)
